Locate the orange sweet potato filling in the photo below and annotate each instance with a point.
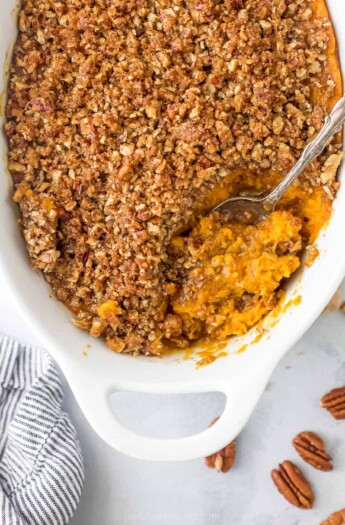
(232, 272)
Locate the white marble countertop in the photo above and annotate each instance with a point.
(120, 490)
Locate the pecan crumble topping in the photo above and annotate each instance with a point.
(124, 115)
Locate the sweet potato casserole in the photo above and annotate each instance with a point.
(128, 120)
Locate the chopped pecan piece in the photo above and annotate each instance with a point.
(237, 4)
(172, 326)
(224, 459)
(330, 167)
(312, 449)
(292, 484)
(98, 325)
(337, 518)
(334, 402)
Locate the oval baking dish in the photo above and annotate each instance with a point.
(241, 376)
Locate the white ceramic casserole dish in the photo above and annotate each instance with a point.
(242, 377)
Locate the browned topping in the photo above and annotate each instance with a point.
(338, 518)
(224, 459)
(334, 402)
(292, 484)
(122, 114)
(330, 167)
(312, 449)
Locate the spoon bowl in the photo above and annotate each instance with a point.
(247, 210)
(250, 210)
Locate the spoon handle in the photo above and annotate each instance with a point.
(332, 125)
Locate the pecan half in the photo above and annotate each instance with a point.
(338, 518)
(292, 484)
(224, 459)
(312, 449)
(334, 402)
(334, 304)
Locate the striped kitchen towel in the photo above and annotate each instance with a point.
(41, 467)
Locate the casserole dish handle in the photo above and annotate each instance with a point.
(241, 398)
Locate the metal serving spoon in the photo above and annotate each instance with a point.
(250, 210)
